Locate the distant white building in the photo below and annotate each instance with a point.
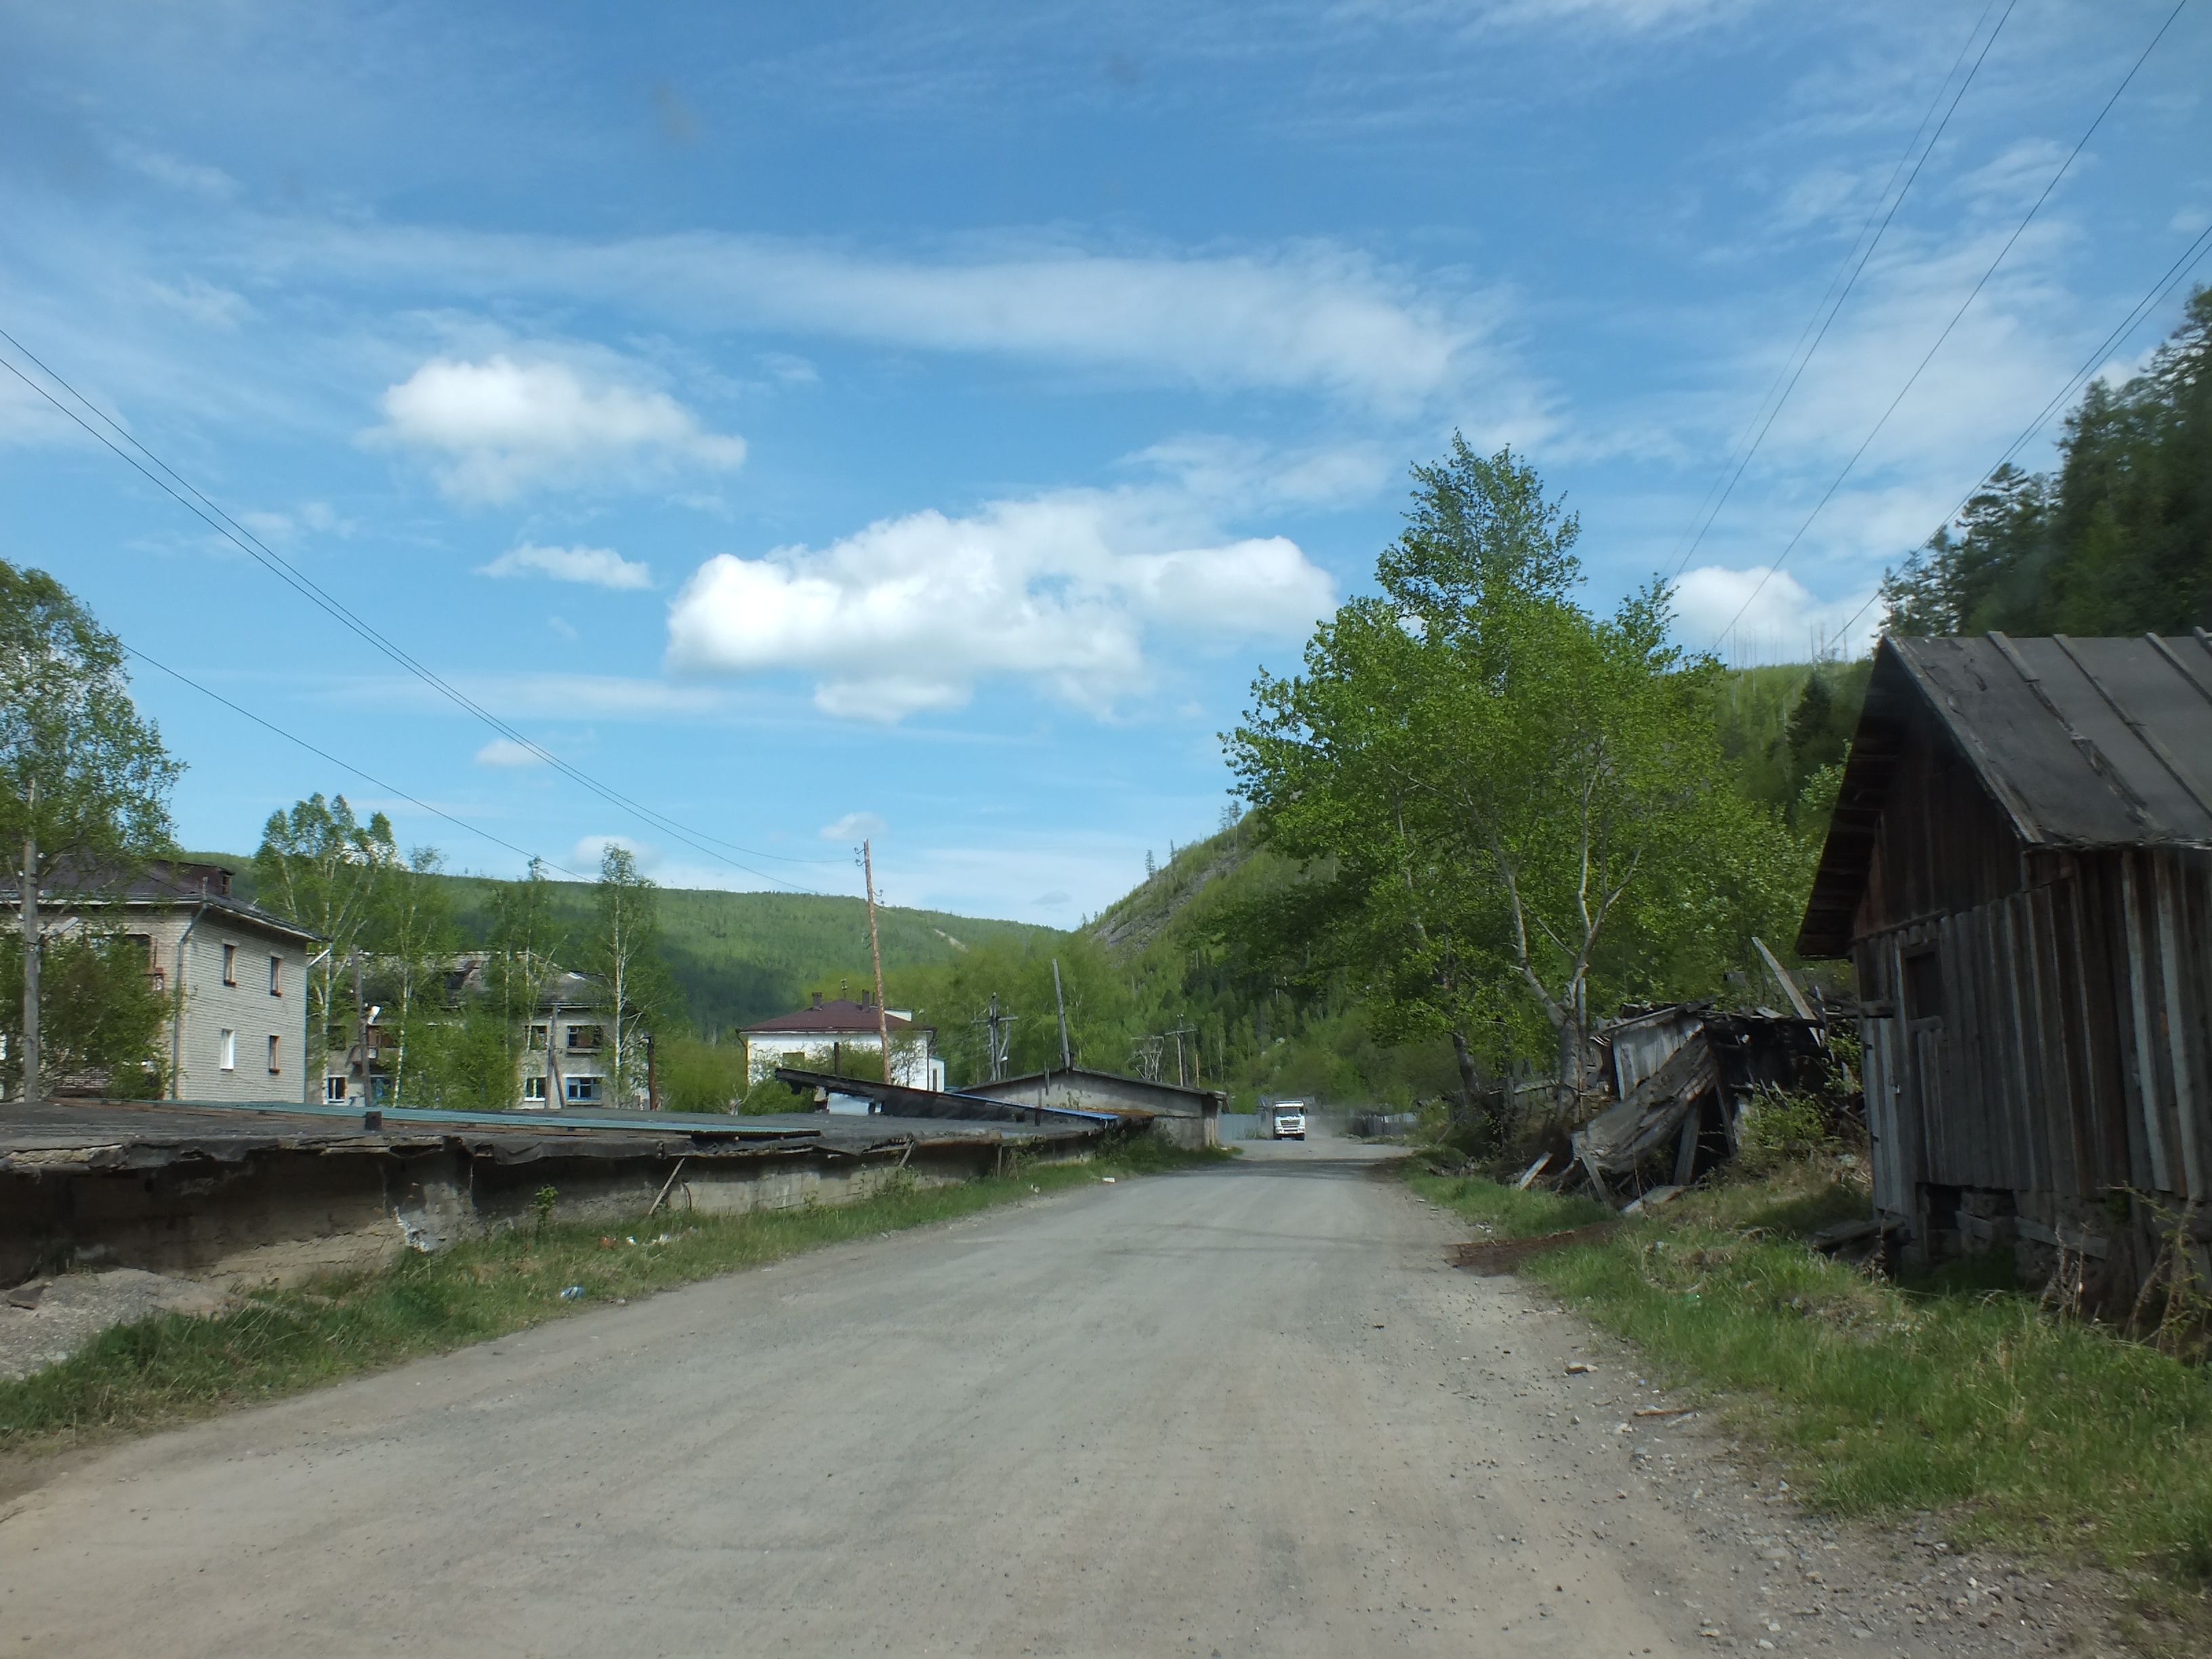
(844, 1036)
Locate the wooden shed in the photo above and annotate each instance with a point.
(2020, 868)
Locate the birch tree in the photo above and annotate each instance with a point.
(320, 866)
(1495, 777)
(85, 780)
(623, 944)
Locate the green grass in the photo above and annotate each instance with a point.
(172, 1367)
(2037, 1434)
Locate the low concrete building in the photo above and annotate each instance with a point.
(1188, 1117)
(237, 975)
(844, 1036)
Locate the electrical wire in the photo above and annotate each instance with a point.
(2019, 231)
(1912, 144)
(175, 485)
(2175, 273)
(347, 766)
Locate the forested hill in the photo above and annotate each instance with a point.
(2117, 540)
(738, 958)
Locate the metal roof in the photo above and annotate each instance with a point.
(837, 1014)
(2083, 743)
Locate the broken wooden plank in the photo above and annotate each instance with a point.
(1529, 1175)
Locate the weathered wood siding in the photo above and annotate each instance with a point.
(2035, 1021)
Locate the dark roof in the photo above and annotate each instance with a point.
(901, 1101)
(2082, 743)
(1194, 1098)
(167, 883)
(838, 1014)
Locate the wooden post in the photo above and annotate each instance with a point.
(876, 950)
(30, 880)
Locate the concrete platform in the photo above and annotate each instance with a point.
(240, 1194)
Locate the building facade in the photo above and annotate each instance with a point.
(2020, 869)
(842, 1036)
(567, 1055)
(236, 977)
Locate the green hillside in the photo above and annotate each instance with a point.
(738, 958)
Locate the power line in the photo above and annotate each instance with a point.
(345, 766)
(1913, 378)
(181, 490)
(2175, 273)
(1832, 311)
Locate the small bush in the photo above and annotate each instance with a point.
(1782, 1127)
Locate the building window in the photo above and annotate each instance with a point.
(1924, 985)
(537, 1036)
(227, 1043)
(274, 1049)
(534, 1088)
(230, 964)
(795, 1058)
(585, 1036)
(580, 1088)
(276, 977)
(334, 1091)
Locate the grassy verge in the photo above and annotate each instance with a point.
(2035, 1434)
(172, 1367)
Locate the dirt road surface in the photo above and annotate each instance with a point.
(1239, 1411)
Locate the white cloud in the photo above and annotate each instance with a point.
(1061, 590)
(505, 751)
(1751, 616)
(194, 178)
(1309, 316)
(602, 567)
(502, 426)
(854, 826)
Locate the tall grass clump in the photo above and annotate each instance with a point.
(1956, 1391)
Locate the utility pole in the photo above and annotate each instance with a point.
(1059, 999)
(30, 879)
(876, 950)
(361, 1026)
(1179, 1034)
(995, 1034)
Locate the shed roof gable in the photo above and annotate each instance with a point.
(2083, 743)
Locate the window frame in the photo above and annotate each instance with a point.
(230, 964)
(225, 1048)
(276, 1057)
(275, 975)
(581, 1090)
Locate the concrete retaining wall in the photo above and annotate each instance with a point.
(283, 1216)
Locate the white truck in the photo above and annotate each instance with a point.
(1290, 1120)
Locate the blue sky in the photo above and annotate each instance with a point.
(809, 422)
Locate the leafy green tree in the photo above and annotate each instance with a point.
(525, 941)
(320, 866)
(85, 780)
(1501, 782)
(101, 1018)
(411, 930)
(623, 952)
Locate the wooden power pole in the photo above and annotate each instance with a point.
(876, 951)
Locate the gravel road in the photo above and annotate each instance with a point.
(1239, 1411)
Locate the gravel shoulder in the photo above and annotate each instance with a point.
(1246, 1409)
